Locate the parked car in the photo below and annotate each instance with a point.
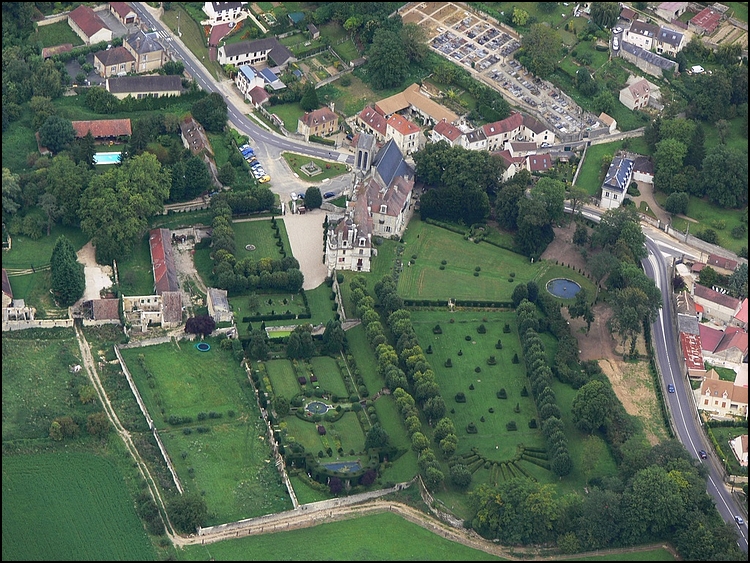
(702, 454)
(670, 388)
(301, 196)
(294, 196)
(265, 178)
(618, 29)
(329, 195)
(615, 44)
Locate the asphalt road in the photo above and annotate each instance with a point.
(681, 404)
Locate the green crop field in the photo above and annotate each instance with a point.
(69, 507)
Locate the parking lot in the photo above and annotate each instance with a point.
(486, 48)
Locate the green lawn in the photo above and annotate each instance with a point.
(590, 177)
(260, 234)
(69, 507)
(136, 274)
(327, 169)
(329, 376)
(282, 377)
(55, 34)
(288, 113)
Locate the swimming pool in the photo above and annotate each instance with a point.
(107, 158)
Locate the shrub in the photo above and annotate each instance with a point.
(467, 338)
(481, 329)
(471, 428)
(442, 267)
(471, 387)
(460, 397)
(477, 269)
(532, 423)
(709, 235)
(443, 262)
(502, 394)
(477, 369)
(517, 408)
(511, 426)
(429, 349)
(524, 392)
(476, 274)
(515, 358)
(491, 410)
(481, 419)
(499, 345)
(448, 363)
(506, 328)
(437, 330)
(460, 352)
(491, 361)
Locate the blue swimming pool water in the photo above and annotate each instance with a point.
(107, 158)
(344, 466)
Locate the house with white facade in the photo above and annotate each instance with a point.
(248, 79)
(444, 131)
(616, 182)
(739, 449)
(669, 42)
(498, 132)
(224, 12)
(261, 52)
(717, 306)
(636, 95)
(721, 399)
(371, 121)
(89, 26)
(404, 133)
(642, 34)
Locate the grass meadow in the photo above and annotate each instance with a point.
(55, 34)
(69, 506)
(37, 381)
(228, 462)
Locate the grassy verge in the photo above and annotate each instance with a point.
(328, 170)
(193, 37)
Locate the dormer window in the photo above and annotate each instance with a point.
(383, 208)
(361, 241)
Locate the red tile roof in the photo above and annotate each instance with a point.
(87, 19)
(539, 162)
(101, 128)
(715, 297)
(47, 52)
(708, 19)
(734, 337)
(318, 116)
(122, 8)
(499, 127)
(402, 125)
(710, 337)
(162, 261)
(692, 350)
(105, 309)
(447, 130)
(742, 314)
(373, 119)
(721, 262)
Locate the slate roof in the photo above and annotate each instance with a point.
(643, 164)
(144, 83)
(648, 56)
(162, 262)
(270, 45)
(226, 6)
(115, 56)
(142, 42)
(618, 174)
(475, 136)
(643, 28)
(669, 36)
(533, 124)
(390, 163)
(101, 128)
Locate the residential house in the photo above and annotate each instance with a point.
(103, 130)
(379, 206)
(147, 50)
(124, 13)
(406, 135)
(194, 137)
(728, 345)
(616, 182)
(721, 399)
(691, 344)
(513, 164)
(444, 131)
(739, 449)
(643, 169)
(267, 51)
(706, 21)
(114, 62)
(520, 148)
(539, 163)
(218, 305)
(320, 122)
(415, 101)
(740, 318)
(498, 132)
(88, 25)
(722, 265)
(609, 122)
(716, 306)
(669, 41)
(372, 122)
(475, 140)
(636, 95)
(223, 12)
(247, 79)
(648, 62)
(671, 10)
(641, 34)
(536, 132)
(154, 85)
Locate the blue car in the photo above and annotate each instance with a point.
(329, 195)
(670, 388)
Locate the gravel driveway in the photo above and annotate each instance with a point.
(305, 234)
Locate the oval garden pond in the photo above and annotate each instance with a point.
(563, 287)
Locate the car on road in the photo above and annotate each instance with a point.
(329, 195)
(739, 520)
(294, 196)
(301, 196)
(670, 388)
(702, 454)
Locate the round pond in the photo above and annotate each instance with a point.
(316, 407)
(563, 287)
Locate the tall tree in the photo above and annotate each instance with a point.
(11, 193)
(67, 180)
(605, 14)
(68, 279)
(56, 133)
(313, 199)
(724, 177)
(309, 101)
(540, 50)
(83, 150)
(333, 337)
(388, 64)
(592, 405)
(116, 205)
(211, 112)
(52, 210)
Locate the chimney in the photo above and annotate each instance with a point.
(138, 43)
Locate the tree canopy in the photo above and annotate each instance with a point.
(56, 133)
(68, 279)
(540, 50)
(211, 112)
